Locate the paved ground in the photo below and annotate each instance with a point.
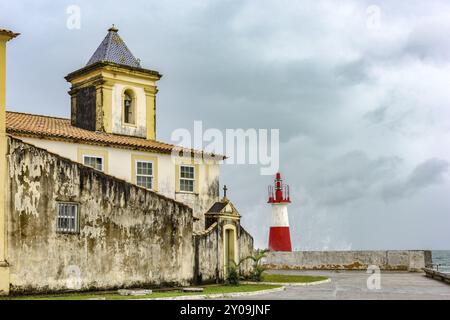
(353, 285)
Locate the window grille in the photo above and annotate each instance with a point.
(67, 220)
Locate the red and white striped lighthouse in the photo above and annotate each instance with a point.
(279, 235)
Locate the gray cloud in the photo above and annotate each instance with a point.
(377, 115)
(428, 173)
(352, 176)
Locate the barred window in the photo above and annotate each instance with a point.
(187, 180)
(67, 220)
(94, 162)
(144, 174)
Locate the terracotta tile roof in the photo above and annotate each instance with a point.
(52, 128)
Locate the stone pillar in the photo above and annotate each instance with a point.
(5, 36)
(107, 103)
(150, 102)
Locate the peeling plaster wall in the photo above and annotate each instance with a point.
(128, 236)
(209, 252)
(206, 256)
(245, 243)
(120, 166)
(400, 260)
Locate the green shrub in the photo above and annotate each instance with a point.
(258, 269)
(257, 273)
(233, 275)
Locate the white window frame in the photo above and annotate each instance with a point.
(73, 227)
(144, 175)
(94, 156)
(190, 179)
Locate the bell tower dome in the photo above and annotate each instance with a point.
(113, 93)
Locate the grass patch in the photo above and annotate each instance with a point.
(286, 278)
(210, 289)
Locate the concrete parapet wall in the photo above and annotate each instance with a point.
(398, 260)
(430, 273)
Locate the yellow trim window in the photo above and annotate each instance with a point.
(144, 174)
(144, 171)
(94, 158)
(96, 162)
(187, 178)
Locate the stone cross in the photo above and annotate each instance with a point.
(225, 191)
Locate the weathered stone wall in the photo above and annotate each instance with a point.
(119, 163)
(401, 260)
(245, 243)
(128, 236)
(209, 265)
(84, 109)
(207, 260)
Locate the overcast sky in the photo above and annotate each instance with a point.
(359, 90)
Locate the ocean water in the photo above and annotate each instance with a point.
(443, 258)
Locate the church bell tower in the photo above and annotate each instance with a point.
(113, 93)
